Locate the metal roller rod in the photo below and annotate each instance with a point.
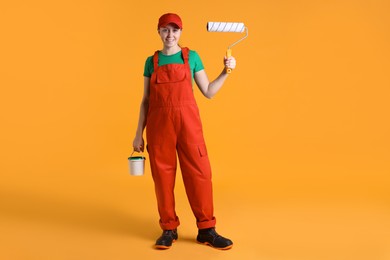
(246, 35)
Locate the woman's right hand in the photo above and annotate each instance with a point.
(138, 144)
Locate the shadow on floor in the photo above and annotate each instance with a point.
(83, 215)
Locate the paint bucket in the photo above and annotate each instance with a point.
(136, 165)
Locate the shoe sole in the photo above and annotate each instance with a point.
(162, 246)
(219, 248)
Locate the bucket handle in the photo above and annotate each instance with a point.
(134, 152)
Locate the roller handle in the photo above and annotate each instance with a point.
(228, 55)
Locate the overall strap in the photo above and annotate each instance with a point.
(155, 60)
(185, 52)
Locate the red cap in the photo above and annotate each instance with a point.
(168, 18)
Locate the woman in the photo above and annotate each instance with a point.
(171, 115)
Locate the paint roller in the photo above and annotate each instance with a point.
(228, 27)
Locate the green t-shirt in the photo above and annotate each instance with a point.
(194, 60)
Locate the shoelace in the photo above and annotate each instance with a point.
(168, 233)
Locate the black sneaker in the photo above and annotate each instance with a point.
(210, 237)
(166, 239)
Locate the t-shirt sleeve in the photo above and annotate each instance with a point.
(148, 69)
(198, 65)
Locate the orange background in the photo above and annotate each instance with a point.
(298, 137)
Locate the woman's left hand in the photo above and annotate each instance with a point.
(230, 62)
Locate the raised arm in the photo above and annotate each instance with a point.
(209, 89)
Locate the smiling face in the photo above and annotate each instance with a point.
(170, 35)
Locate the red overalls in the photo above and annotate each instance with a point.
(173, 124)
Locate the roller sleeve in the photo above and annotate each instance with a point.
(225, 27)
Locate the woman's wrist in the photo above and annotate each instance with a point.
(139, 133)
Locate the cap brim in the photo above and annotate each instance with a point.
(173, 23)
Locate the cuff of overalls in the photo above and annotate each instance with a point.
(170, 225)
(206, 224)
